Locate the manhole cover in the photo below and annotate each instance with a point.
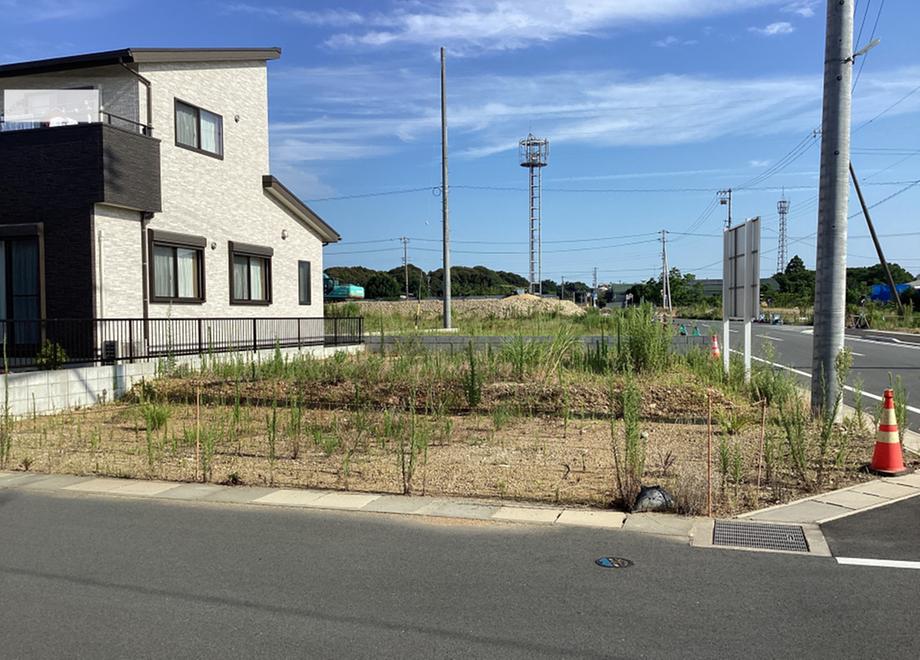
(613, 562)
(761, 536)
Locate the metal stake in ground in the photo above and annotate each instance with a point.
(709, 455)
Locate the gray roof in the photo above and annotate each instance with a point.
(138, 55)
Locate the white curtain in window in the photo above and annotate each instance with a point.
(257, 278)
(187, 267)
(186, 125)
(163, 284)
(210, 132)
(240, 278)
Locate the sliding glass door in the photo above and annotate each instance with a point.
(20, 291)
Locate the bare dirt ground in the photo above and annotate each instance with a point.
(538, 458)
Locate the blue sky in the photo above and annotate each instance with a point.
(650, 108)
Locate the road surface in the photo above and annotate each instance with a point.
(875, 356)
(85, 576)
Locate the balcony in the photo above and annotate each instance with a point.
(77, 165)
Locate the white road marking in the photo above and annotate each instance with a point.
(810, 331)
(914, 347)
(770, 337)
(881, 563)
(855, 354)
(874, 397)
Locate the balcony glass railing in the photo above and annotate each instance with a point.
(25, 109)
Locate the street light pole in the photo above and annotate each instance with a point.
(444, 189)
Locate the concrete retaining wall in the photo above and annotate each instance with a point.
(40, 392)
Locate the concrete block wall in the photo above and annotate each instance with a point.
(44, 392)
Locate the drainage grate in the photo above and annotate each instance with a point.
(757, 535)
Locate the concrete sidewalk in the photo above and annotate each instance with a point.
(809, 512)
(667, 525)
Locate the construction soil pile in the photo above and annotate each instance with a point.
(519, 306)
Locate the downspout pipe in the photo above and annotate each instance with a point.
(149, 86)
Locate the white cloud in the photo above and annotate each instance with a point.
(671, 40)
(323, 17)
(468, 27)
(36, 11)
(758, 163)
(774, 29)
(367, 112)
(804, 8)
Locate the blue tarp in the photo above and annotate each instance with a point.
(882, 292)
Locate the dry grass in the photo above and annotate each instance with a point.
(516, 458)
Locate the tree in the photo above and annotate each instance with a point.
(381, 285)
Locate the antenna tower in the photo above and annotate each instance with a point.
(782, 207)
(534, 154)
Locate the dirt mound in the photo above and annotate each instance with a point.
(518, 306)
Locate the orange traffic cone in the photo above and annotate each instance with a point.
(716, 353)
(887, 459)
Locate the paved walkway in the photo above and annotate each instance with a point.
(809, 512)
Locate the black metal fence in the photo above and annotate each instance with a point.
(55, 342)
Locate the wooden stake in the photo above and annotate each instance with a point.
(709, 456)
(763, 432)
(198, 431)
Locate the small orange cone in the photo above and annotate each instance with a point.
(887, 459)
(716, 353)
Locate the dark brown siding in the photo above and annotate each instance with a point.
(55, 176)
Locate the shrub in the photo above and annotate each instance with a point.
(51, 356)
(628, 460)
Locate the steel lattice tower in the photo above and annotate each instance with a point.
(534, 154)
(782, 207)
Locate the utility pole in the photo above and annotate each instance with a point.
(782, 207)
(665, 274)
(562, 290)
(830, 266)
(594, 285)
(444, 215)
(878, 246)
(725, 199)
(405, 243)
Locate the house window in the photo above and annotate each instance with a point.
(303, 282)
(20, 290)
(250, 274)
(177, 267)
(199, 130)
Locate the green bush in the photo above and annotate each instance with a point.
(51, 356)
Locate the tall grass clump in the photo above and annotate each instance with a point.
(472, 379)
(628, 454)
(644, 343)
(900, 404)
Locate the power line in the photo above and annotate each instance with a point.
(878, 15)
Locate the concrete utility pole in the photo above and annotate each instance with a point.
(725, 198)
(594, 286)
(830, 266)
(444, 214)
(878, 246)
(665, 274)
(405, 242)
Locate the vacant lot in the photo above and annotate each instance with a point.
(552, 421)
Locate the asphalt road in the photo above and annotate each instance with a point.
(875, 355)
(889, 532)
(82, 576)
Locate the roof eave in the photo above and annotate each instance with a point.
(288, 200)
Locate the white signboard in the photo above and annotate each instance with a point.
(741, 272)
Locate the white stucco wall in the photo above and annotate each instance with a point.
(119, 91)
(119, 275)
(223, 199)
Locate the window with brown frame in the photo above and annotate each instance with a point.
(250, 274)
(199, 130)
(176, 267)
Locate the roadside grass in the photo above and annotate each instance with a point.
(553, 421)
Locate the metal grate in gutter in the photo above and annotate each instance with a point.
(761, 536)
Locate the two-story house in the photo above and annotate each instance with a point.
(135, 184)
